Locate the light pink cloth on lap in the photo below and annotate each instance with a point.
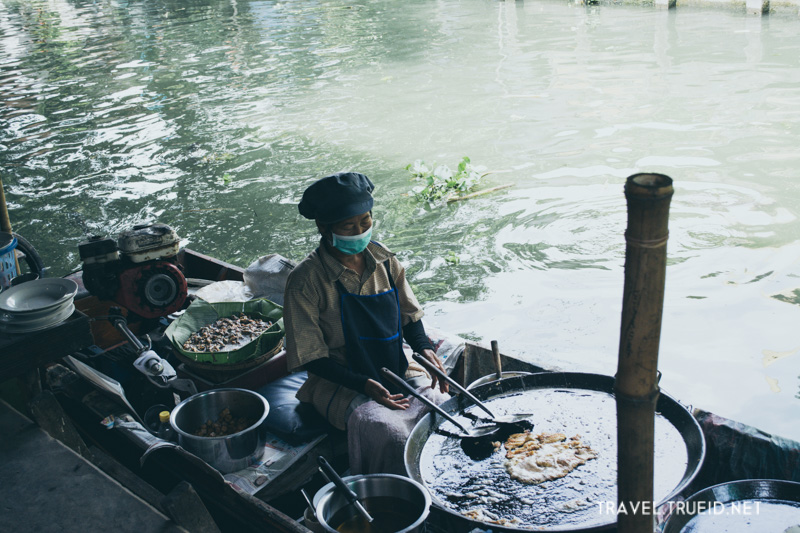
(376, 435)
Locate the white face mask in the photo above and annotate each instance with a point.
(351, 244)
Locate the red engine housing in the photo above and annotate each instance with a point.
(152, 289)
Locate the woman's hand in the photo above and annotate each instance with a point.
(380, 394)
(431, 356)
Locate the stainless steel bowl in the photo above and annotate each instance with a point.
(228, 453)
(412, 498)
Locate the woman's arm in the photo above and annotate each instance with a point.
(339, 374)
(333, 371)
(413, 330)
(415, 336)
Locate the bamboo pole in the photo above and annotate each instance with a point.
(636, 386)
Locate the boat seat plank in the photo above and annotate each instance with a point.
(42, 478)
(23, 353)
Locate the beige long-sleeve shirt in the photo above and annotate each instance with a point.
(312, 318)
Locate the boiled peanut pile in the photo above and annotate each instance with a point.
(226, 424)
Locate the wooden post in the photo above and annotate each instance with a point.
(757, 7)
(636, 385)
(5, 221)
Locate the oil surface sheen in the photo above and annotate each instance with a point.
(586, 496)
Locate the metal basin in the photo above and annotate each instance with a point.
(408, 501)
(227, 453)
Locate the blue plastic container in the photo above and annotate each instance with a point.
(8, 265)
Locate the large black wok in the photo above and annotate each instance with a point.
(585, 499)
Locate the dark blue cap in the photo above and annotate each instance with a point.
(337, 197)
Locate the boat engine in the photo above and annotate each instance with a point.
(139, 270)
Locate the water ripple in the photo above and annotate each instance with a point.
(212, 116)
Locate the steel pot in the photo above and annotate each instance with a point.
(397, 493)
(227, 453)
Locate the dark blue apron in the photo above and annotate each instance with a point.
(373, 332)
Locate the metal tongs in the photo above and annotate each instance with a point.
(477, 443)
(328, 471)
(474, 433)
(519, 421)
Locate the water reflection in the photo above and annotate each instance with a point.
(212, 116)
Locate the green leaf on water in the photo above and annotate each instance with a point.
(438, 183)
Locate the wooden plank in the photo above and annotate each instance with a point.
(252, 513)
(122, 475)
(30, 387)
(197, 265)
(301, 472)
(186, 508)
(51, 417)
(47, 487)
(166, 467)
(478, 362)
(23, 353)
(105, 334)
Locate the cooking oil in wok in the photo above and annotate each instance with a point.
(389, 516)
(483, 491)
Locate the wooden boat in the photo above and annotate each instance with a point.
(734, 451)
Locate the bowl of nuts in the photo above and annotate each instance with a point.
(224, 427)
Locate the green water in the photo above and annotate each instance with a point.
(213, 117)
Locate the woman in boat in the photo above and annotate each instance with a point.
(347, 309)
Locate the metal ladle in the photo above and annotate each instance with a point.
(352, 498)
(308, 502)
(477, 441)
(516, 423)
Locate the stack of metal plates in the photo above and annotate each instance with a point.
(36, 305)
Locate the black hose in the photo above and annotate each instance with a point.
(32, 257)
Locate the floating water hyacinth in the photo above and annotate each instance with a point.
(440, 183)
